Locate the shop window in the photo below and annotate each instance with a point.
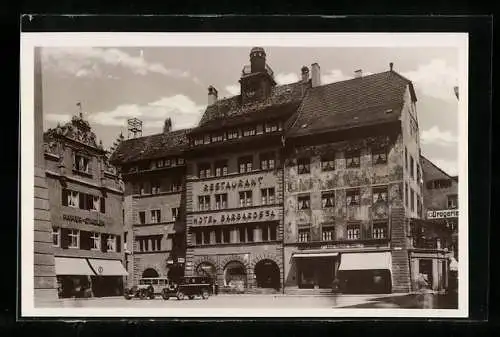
(304, 234)
(204, 170)
(175, 213)
(155, 216)
(379, 156)
(95, 241)
(74, 238)
(221, 201)
(267, 195)
(245, 164)
(353, 232)
(221, 168)
(328, 232)
(56, 236)
(304, 202)
(204, 203)
(304, 165)
(379, 230)
(380, 194)
(353, 197)
(453, 201)
(142, 217)
(233, 134)
(81, 163)
(111, 243)
(328, 163)
(352, 159)
(155, 187)
(328, 199)
(245, 198)
(267, 161)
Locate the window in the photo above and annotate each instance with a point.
(142, 218)
(250, 233)
(453, 201)
(233, 134)
(328, 199)
(206, 237)
(249, 131)
(273, 232)
(221, 201)
(304, 202)
(352, 159)
(328, 233)
(80, 163)
(406, 158)
(328, 163)
(267, 161)
(221, 168)
(175, 213)
(245, 198)
(267, 196)
(272, 127)
(242, 233)
(245, 164)
(439, 183)
(95, 239)
(155, 216)
(204, 170)
(206, 139)
(353, 232)
(412, 200)
(218, 235)
(226, 235)
(56, 236)
(379, 230)
(198, 237)
(74, 238)
(180, 161)
(176, 185)
(155, 187)
(203, 202)
(217, 138)
(352, 197)
(379, 156)
(304, 165)
(156, 243)
(269, 232)
(407, 196)
(96, 202)
(159, 163)
(198, 141)
(304, 234)
(142, 189)
(380, 194)
(111, 243)
(73, 199)
(412, 168)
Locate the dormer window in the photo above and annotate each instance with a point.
(272, 127)
(233, 134)
(217, 138)
(198, 141)
(250, 131)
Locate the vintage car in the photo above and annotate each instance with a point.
(189, 287)
(147, 288)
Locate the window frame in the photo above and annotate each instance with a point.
(111, 238)
(328, 163)
(380, 190)
(304, 165)
(204, 170)
(244, 162)
(222, 204)
(330, 229)
(451, 197)
(71, 235)
(266, 197)
(95, 238)
(157, 215)
(353, 232)
(221, 168)
(57, 234)
(247, 198)
(380, 155)
(206, 205)
(350, 159)
(384, 225)
(305, 198)
(347, 195)
(304, 234)
(330, 195)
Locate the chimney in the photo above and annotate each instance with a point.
(305, 74)
(212, 95)
(358, 73)
(167, 126)
(391, 65)
(315, 75)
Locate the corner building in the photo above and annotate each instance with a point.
(234, 188)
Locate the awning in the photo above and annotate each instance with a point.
(72, 266)
(108, 267)
(325, 254)
(365, 261)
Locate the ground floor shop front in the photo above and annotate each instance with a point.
(434, 270)
(86, 277)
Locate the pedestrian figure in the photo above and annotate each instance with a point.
(424, 292)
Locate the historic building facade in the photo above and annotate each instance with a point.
(86, 212)
(153, 170)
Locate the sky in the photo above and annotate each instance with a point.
(153, 83)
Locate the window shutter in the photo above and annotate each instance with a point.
(104, 243)
(118, 243)
(103, 205)
(82, 196)
(64, 238)
(64, 197)
(85, 240)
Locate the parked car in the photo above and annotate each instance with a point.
(147, 288)
(189, 287)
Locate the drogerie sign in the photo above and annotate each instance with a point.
(442, 214)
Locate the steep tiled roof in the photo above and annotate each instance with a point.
(150, 147)
(356, 102)
(229, 111)
(432, 172)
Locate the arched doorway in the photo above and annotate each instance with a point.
(206, 269)
(150, 272)
(267, 274)
(235, 275)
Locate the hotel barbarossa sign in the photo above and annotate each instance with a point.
(442, 214)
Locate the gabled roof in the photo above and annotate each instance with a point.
(150, 147)
(432, 172)
(356, 102)
(230, 111)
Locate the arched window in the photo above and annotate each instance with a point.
(267, 274)
(235, 275)
(150, 272)
(206, 269)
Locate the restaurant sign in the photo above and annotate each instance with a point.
(79, 219)
(235, 217)
(442, 214)
(232, 185)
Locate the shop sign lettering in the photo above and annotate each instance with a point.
(236, 217)
(78, 219)
(232, 185)
(342, 245)
(442, 214)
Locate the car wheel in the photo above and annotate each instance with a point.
(180, 295)
(205, 294)
(143, 294)
(127, 296)
(191, 297)
(164, 294)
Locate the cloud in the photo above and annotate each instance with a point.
(436, 79)
(286, 78)
(437, 137)
(233, 89)
(334, 76)
(85, 62)
(184, 113)
(57, 118)
(448, 166)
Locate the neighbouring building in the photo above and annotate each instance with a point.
(153, 170)
(86, 212)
